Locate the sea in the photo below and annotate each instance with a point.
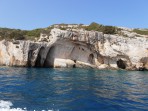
(72, 89)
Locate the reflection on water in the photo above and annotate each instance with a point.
(74, 89)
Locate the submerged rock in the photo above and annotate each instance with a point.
(77, 48)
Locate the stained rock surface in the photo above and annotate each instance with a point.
(77, 48)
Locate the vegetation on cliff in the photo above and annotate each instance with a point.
(6, 33)
(102, 28)
(92, 27)
(17, 34)
(142, 32)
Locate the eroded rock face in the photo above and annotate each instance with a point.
(77, 48)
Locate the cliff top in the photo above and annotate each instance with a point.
(7, 33)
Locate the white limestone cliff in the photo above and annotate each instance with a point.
(77, 48)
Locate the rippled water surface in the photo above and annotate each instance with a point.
(74, 89)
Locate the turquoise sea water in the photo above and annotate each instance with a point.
(76, 89)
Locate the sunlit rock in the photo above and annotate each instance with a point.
(77, 48)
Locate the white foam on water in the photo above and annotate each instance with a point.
(6, 106)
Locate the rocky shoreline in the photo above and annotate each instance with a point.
(77, 48)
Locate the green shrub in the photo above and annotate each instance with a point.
(94, 26)
(142, 32)
(109, 30)
(63, 28)
(101, 28)
(16, 35)
(6, 33)
(35, 32)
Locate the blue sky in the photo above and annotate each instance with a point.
(31, 14)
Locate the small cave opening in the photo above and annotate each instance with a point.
(74, 66)
(40, 61)
(49, 61)
(37, 63)
(141, 69)
(30, 53)
(121, 64)
(82, 49)
(91, 58)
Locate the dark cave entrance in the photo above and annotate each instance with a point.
(40, 61)
(121, 64)
(74, 66)
(30, 54)
(91, 58)
(49, 61)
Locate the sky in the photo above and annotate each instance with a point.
(31, 14)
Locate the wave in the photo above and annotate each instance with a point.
(6, 106)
